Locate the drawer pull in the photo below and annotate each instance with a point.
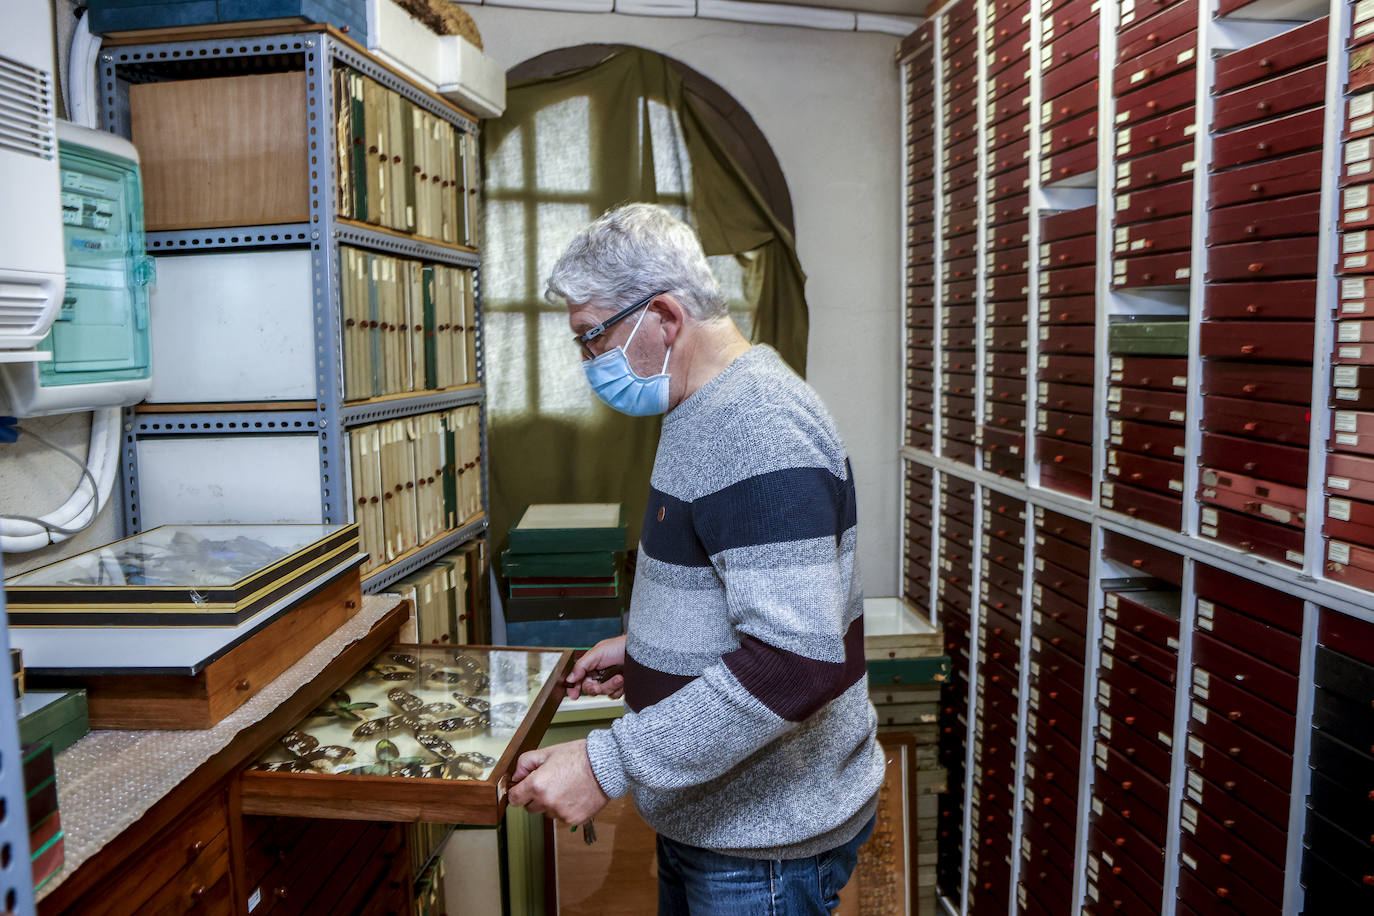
(1256, 267)
(1229, 824)
(1223, 892)
(1225, 858)
(1233, 751)
(197, 892)
(1229, 785)
(1263, 106)
(1234, 715)
(1127, 785)
(195, 849)
(1266, 64)
(242, 684)
(1252, 309)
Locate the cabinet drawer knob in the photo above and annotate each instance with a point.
(1225, 858)
(195, 849)
(197, 892)
(242, 684)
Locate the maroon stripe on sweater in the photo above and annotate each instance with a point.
(793, 686)
(645, 686)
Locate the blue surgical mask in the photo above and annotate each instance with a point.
(616, 384)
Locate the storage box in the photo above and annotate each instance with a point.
(54, 717)
(106, 16)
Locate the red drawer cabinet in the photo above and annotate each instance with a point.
(1076, 309)
(1148, 12)
(1173, 129)
(1283, 136)
(1268, 219)
(1291, 50)
(1163, 372)
(1145, 505)
(1061, 47)
(1271, 420)
(1156, 64)
(1146, 405)
(1156, 98)
(1162, 475)
(1073, 398)
(1068, 224)
(1282, 341)
(1153, 237)
(1069, 133)
(1173, 199)
(1072, 427)
(1146, 271)
(1151, 26)
(1070, 75)
(1062, 109)
(1064, 165)
(1275, 299)
(1077, 370)
(1286, 383)
(1147, 438)
(1284, 464)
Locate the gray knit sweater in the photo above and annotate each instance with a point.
(749, 730)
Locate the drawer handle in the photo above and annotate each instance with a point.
(1252, 309)
(1266, 64)
(1127, 785)
(1225, 858)
(1263, 106)
(242, 684)
(197, 893)
(1250, 388)
(195, 849)
(1229, 785)
(1256, 189)
(1262, 147)
(1223, 892)
(1233, 751)
(1256, 267)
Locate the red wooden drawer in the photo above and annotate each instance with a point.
(1250, 496)
(1290, 384)
(1007, 262)
(1353, 390)
(1253, 534)
(961, 245)
(961, 153)
(1267, 341)
(1068, 338)
(1110, 889)
(1240, 858)
(1126, 691)
(1272, 98)
(959, 408)
(1153, 169)
(1233, 811)
(1065, 553)
(1173, 129)
(1069, 107)
(1155, 203)
(1010, 209)
(1061, 166)
(959, 383)
(1272, 421)
(1004, 441)
(1073, 427)
(1264, 719)
(1269, 219)
(1251, 635)
(1267, 461)
(1068, 224)
(1007, 365)
(1139, 272)
(1274, 607)
(1064, 46)
(1068, 281)
(1075, 531)
(1009, 235)
(958, 429)
(1149, 25)
(1290, 50)
(1012, 338)
(1269, 180)
(1146, 405)
(1073, 252)
(1219, 737)
(1153, 237)
(1070, 74)
(1060, 18)
(1010, 184)
(961, 222)
(1073, 398)
(1062, 480)
(1079, 309)
(1156, 98)
(1065, 581)
(1353, 431)
(1159, 474)
(959, 316)
(1357, 160)
(1130, 844)
(1011, 156)
(1007, 312)
(1353, 354)
(1131, 651)
(1164, 372)
(1284, 136)
(1009, 106)
(1220, 889)
(1277, 299)
(1356, 248)
(1147, 438)
(1244, 669)
(1359, 115)
(1130, 777)
(1077, 370)
(961, 177)
(1156, 64)
(1146, 505)
(1148, 615)
(1006, 391)
(1012, 130)
(1156, 561)
(1276, 258)
(922, 379)
(957, 338)
(1008, 288)
(961, 291)
(1070, 455)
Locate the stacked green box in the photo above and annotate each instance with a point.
(46, 844)
(1155, 335)
(55, 717)
(566, 583)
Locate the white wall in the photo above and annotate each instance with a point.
(828, 102)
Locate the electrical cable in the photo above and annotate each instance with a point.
(86, 476)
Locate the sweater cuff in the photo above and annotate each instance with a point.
(603, 752)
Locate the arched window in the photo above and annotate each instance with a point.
(585, 130)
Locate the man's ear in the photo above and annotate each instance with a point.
(671, 316)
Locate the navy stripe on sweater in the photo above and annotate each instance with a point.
(792, 504)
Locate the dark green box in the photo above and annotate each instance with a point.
(572, 528)
(589, 565)
(56, 717)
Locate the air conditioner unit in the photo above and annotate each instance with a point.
(32, 269)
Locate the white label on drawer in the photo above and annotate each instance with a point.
(1205, 608)
(1352, 288)
(1346, 421)
(1114, 394)
(1188, 860)
(1357, 151)
(1357, 216)
(1209, 516)
(254, 899)
(1347, 394)
(1294, 556)
(1360, 168)
(1348, 331)
(1353, 242)
(1183, 273)
(1188, 166)
(1107, 662)
(1117, 427)
(1123, 170)
(1176, 415)
(1165, 738)
(1113, 601)
(1195, 784)
(1362, 104)
(1171, 642)
(1363, 10)
(1097, 806)
(1123, 234)
(1191, 129)
(1092, 891)
(1104, 726)
(1176, 485)
(1347, 439)
(1208, 530)
(1044, 388)
(1030, 770)
(1186, 56)
(1107, 857)
(1337, 483)
(1202, 693)
(1180, 451)
(1337, 552)
(1355, 197)
(1352, 261)
(1197, 748)
(1200, 713)
(1109, 490)
(1123, 201)
(1104, 691)
(1202, 678)
(1346, 376)
(1100, 749)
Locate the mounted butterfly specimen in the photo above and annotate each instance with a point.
(340, 706)
(417, 716)
(401, 666)
(307, 756)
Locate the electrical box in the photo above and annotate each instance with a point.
(99, 341)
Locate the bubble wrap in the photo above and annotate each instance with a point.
(108, 779)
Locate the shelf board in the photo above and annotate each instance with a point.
(395, 406)
(423, 555)
(187, 241)
(225, 422)
(365, 235)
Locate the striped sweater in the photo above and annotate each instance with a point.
(749, 730)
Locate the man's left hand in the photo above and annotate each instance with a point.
(558, 780)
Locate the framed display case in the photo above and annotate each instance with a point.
(422, 733)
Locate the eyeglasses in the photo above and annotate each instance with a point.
(596, 331)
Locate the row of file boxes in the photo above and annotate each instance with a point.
(920, 290)
(917, 525)
(1339, 840)
(960, 186)
(1068, 114)
(955, 610)
(1239, 751)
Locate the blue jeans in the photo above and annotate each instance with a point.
(698, 882)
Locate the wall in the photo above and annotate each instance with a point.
(34, 479)
(828, 102)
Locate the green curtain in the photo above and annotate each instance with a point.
(567, 149)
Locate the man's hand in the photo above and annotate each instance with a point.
(609, 653)
(558, 780)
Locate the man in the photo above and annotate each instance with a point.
(749, 743)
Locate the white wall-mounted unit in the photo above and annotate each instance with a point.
(31, 263)
(450, 64)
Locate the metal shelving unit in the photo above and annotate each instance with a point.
(1321, 595)
(316, 52)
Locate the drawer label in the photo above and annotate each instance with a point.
(1352, 288)
(1107, 662)
(1347, 394)
(1355, 197)
(1109, 630)
(1354, 242)
(1183, 273)
(1337, 552)
(1165, 739)
(1208, 530)
(1202, 678)
(1357, 151)
(1209, 516)
(1346, 421)
(1347, 439)
(1196, 748)
(1171, 642)
(1188, 860)
(1113, 601)
(1347, 332)
(1337, 483)
(1097, 807)
(1104, 726)
(1205, 608)
(1189, 812)
(1200, 713)
(1176, 485)
(1205, 623)
(1355, 260)
(254, 899)
(1362, 104)
(1346, 376)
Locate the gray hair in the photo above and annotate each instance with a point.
(632, 252)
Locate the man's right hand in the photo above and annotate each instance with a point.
(609, 653)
